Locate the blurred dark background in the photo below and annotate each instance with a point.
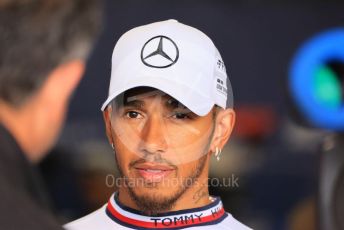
(275, 159)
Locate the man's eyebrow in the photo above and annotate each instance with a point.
(172, 103)
(133, 103)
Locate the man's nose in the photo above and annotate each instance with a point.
(153, 136)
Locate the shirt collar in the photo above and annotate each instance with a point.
(206, 215)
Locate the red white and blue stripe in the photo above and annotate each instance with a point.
(207, 215)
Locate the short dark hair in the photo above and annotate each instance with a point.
(216, 109)
(38, 35)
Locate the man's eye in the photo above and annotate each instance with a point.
(132, 114)
(180, 116)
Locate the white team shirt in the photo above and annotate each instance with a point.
(115, 215)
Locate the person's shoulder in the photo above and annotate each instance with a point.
(230, 223)
(18, 210)
(94, 220)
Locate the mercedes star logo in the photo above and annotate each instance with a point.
(159, 52)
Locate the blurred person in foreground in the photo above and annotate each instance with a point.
(168, 112)
(43, 49)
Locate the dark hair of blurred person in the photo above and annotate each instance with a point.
(43, 49)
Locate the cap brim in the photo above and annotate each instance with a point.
(197, 102)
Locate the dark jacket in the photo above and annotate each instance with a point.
(23, 202)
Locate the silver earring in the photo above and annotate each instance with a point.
(218, 153)
(112, 146)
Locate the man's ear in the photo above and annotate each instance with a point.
(107, 120)
(224, 124)
(63, 80)
(37, 123)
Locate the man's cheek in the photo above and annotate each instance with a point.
(127, 138)
(187, 154)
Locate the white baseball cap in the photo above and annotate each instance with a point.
(175, 58)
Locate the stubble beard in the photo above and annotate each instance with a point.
(155, 203)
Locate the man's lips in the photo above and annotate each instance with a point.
(154, 172)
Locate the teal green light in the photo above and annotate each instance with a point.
(327, 88)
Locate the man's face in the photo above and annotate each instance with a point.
(161, 146)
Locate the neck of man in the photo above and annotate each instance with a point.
(19, 123)
(195, 196)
